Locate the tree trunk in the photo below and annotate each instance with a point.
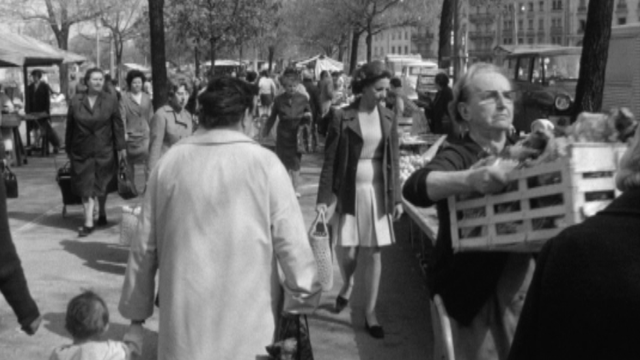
(271, 49)
(446, 28)
(196, 54)
(158, 56)
(593, 63)
(212, 56)
(119, 44)
(368, 40)
(355, 41)
(62, 37)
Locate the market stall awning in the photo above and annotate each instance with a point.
(22, 50)
(321, 63)
(138, 67)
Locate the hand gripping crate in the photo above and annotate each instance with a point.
(539, 203)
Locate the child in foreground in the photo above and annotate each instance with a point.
(87, 320)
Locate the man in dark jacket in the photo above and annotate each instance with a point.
(39, 102)
(314, 101)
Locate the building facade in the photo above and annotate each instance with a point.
(517, 22)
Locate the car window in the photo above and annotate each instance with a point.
(562, 67)
(538, 71)
(524, 69)
(509, 66)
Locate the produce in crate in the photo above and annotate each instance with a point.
(618, 125)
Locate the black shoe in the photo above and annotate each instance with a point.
(85, 231)
(375, 331)
(102, 221)
(341, 303)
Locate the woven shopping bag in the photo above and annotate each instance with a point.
(129, 224)
(322, 251)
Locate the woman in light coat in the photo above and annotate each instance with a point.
(219, 222)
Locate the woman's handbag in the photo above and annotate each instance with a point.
(322, 250)
(129, 224)
(10, 182)
(126, 187)
(292, 341)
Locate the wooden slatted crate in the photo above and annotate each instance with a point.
(539, 202)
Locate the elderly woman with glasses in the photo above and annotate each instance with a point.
(483, 292)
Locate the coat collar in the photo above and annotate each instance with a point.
(96, 106)
(217, 137)
(350, 117)
(627, 203)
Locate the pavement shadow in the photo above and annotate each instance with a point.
(54, 322)
(53, 221)
(103, 257)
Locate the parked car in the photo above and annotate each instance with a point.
(546, 80)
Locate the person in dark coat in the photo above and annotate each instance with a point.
(40, 102)
(483, 292)
(361, 176)
(316, 107)
(584, 300)
(438, 111)
(95, 131)
(293, 110)
(13, 284)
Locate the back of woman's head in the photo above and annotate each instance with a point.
(264, 73)
(462, 89)
(225, 101)
(368, 74)
(324, 74)
(442, 80)
(395, 83)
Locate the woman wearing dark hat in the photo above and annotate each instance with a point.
(361, 174)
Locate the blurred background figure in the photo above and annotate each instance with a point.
(438, 112)
(39, 94)
(267, 92)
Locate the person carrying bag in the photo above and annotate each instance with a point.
(320, 242)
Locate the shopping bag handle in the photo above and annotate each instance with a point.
(320, 219)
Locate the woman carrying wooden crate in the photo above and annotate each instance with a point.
(483, 293)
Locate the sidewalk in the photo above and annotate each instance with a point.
(58, 265)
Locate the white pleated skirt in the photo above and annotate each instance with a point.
(370, 226)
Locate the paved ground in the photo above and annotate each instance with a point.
(59, 265)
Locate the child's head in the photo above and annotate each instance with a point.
(87, 316)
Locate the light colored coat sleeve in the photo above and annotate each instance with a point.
(138, 291)
(291, 246)
(158, 129)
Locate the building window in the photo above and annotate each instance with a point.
(530, 24)
(393, 49)
(541, 5)
(520, 24)
(530, 40)
(520, 41)
(622, 21)
(406, 35)
(406, 49)
(393, 36)
(530, 8)
(583, 26)
(541, 25)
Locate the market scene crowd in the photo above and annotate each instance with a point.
(218, 248)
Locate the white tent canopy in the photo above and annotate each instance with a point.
(321, 63)
(138, 67)
(224, 63)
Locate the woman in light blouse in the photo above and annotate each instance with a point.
(170, 123)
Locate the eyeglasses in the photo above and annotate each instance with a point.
(492, 96)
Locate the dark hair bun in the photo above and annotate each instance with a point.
(225, 100)
(368, 74)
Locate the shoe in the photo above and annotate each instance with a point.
(85, 231)
(341, 303)
(376, 331)
(102, 221)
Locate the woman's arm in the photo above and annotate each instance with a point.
(118, 127)
(399, 108)
(70, 127)
(156, 138)
(325, 187)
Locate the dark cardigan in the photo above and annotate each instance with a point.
(466, 280)
(342, 152)
(584, 300)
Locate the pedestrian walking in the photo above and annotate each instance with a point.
(219, 290)
(267, 92)
(39, 93)
(438, 111)
(171, 123)
(482, 292)
(136, 110)
(361, 176)
(95, 132)
(13, 283)
(293, 111)
(316, 107)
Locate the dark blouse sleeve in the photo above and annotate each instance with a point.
(325, 189)
(415, 188)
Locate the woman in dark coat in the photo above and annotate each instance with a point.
(293, 110)
(361, 175)
(95, 131)
(13, 284)
(438, 111)
(584, 300)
